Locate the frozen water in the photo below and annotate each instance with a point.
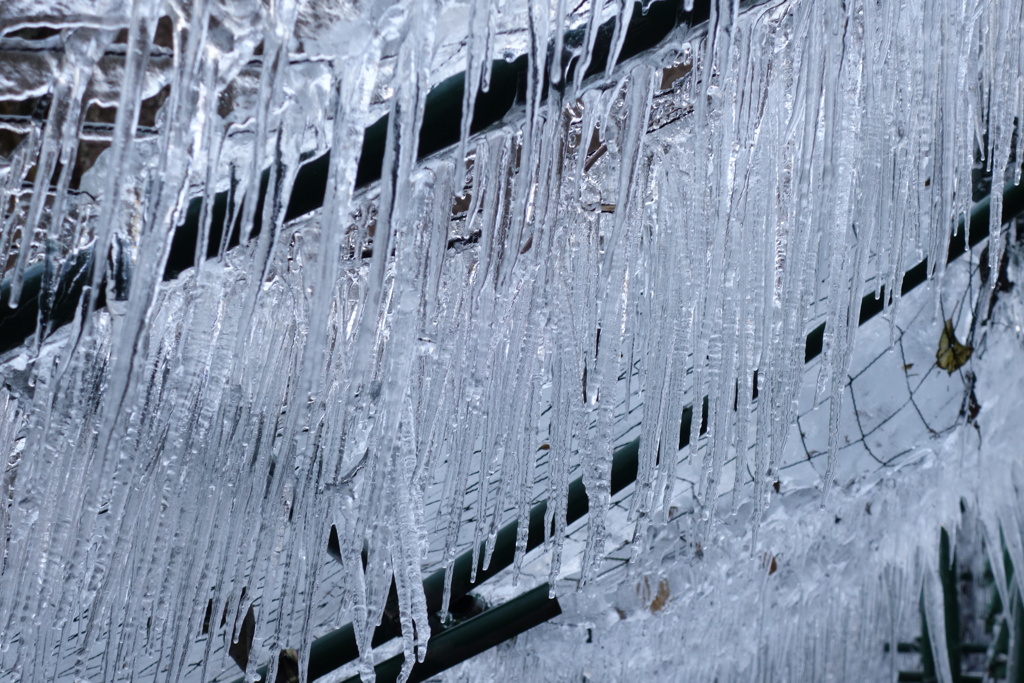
(422, 357)
(826, 595)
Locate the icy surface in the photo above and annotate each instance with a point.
(827, 594)
(422, 359)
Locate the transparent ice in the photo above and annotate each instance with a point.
(425, 357)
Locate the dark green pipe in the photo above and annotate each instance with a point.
(470, 638)
(451, 645)
(455, 644)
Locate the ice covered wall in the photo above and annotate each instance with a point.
(192, 444)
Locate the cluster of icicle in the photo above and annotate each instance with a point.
(828, 597)
(192, 446)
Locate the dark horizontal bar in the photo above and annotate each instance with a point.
(450, 645)
(470, 638)
(914, 647)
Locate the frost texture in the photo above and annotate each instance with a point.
(191, 444)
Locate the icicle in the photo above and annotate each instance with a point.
(593, 23)
(478, 58)
(625, 14)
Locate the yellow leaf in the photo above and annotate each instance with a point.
(951, 355)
